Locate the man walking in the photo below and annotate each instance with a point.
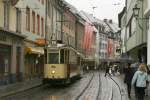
(107, 70)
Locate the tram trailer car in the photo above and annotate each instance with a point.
(62, 67)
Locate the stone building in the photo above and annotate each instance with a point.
(11, 44)
(32, 25)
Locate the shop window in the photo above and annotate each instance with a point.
(5, 56)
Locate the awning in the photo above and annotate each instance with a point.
(34, 50)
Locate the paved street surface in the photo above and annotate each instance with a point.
(119, 80)
(103, 88)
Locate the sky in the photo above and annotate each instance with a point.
(108, 9)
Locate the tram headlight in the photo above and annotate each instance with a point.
(53, 72)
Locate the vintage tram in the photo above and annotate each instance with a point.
(62, 65)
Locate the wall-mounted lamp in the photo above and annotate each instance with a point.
(136, 11)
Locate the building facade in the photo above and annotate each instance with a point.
(113, 40)
(135, 28)
(80, 34)
(32, 25)
(69, 28)
(11, 44)
(55, 10)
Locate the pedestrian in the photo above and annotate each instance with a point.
(140, 79)
(107, 70)
(128, 72)
(134, 66)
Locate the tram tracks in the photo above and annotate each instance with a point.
(111, 89)
(92, 89)
(99, 88)
(117, 87)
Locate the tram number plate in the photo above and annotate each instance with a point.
(53, 66)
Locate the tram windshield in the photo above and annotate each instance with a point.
(53, 58)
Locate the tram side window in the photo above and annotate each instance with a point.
(53, 58)
(62, 56)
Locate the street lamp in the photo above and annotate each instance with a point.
(136, 11)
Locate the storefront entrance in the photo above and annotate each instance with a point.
(5, 62)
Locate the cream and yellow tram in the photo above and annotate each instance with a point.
(62, 65)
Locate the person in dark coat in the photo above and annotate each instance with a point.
(128, 77)
(107, 70)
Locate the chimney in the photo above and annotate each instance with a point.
(110, 21)
(105, 20)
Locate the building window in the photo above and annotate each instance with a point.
(33, 21)
(130, 29)
(28, 19)
(42, 26)
(38, 23)
(18, 20)
(6, 15)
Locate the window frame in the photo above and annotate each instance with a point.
(27, 18)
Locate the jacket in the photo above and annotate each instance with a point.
(140, 79)
(128, 75)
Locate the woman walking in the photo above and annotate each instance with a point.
(139, 79)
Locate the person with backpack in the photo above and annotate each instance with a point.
(140, 79)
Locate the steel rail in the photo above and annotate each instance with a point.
(117, 86)
(78, 97)
(99, 90)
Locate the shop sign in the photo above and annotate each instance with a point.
(41, 41)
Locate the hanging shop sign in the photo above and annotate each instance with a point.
(40, 41)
